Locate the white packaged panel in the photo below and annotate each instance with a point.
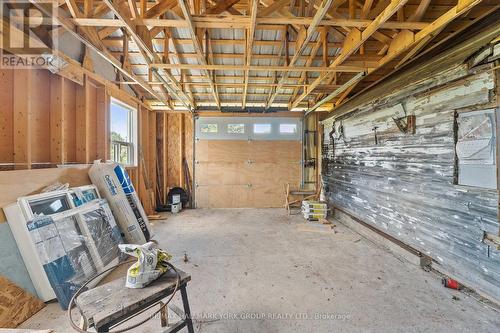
(115, 185)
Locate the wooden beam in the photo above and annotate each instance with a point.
(320, 13)
(436, 25)
(82, 131)
(22, 118)
(98, 48)
(102, 123)
(165, 165)
(243, 22)
(367, 58)
(160, 8)
(58, 152)
(420, 11)
(249, 48)
(182, 147)
(337, 91)
(309, 61)
(142, 38)
(197, 47)
(276, 5)
(353, 41)
(221, 6)
(330, 69)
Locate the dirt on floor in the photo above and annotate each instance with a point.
(260, 270)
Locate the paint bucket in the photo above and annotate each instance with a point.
(175, 208)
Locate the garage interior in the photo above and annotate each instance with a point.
(309, 166)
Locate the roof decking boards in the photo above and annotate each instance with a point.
(243, 55)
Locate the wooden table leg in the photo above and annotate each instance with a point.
(163, 314)
(83, 323)
(187, 311)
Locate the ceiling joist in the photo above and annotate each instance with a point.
(308, 54)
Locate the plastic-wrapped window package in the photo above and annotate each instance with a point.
(75, 245)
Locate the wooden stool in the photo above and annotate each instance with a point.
(112, 303)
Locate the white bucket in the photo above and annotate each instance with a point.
(175, 208)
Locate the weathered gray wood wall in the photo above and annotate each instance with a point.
(404, 184)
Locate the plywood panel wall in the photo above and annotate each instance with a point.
(173, 148)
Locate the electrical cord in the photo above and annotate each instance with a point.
(79, 291)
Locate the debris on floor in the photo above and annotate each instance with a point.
(316, 226)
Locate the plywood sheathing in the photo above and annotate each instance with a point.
(16, 305)
(173, 162)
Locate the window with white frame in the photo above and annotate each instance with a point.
(209, 128)
(123, 128)
(476, 145)
(288, 128)
(236, 128)
(261, 128)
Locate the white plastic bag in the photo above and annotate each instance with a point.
(149, 266)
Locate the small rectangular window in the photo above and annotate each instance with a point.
(123, 126)
(475, 148)
(288, 128)
(236, 128)
(209, 128)
(262, 128)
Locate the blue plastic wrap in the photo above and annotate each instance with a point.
(75, 245)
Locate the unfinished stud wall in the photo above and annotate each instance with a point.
(47, 119)
(404, 184)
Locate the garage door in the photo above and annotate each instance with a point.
(246, 162)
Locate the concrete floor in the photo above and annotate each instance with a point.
(253, 271)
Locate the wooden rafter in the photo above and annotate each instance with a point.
(320, 13)
(249, 47)
(353, 41)
(243, 22)
(197, 47)
(365, 35)
(61, 20)
(408, 39)
(221, 6)
(142, 38)
(340, 68)
(311, 58)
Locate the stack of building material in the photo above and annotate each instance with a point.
(314, 210)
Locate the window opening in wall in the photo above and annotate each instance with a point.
(262, 128)
(288, 128)
(123, 127)
(476, 148)
(209, 128)
(236, 128)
